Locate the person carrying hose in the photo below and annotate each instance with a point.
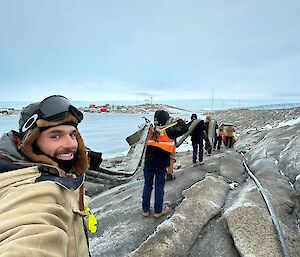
(160, 146)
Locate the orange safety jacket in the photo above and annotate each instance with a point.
(162, 140)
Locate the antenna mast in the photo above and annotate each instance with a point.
(212, 101)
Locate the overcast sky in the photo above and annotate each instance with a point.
(135, 49)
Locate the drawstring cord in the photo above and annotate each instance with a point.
(81, 193)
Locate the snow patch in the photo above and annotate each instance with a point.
(267, 127)
(289, 123)
(185, 146)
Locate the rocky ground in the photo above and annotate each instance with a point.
(216, 208)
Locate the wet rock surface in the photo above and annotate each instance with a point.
(216, 208)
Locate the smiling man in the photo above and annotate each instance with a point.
(41, 183)
(60, 143)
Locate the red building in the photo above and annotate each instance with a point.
(103, 109)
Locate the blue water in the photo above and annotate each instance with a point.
(107, 132)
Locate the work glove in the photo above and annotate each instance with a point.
(180, 122)
(95, 159)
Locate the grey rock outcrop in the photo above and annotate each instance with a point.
(216, 208)
(175, 237)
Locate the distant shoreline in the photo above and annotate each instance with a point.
(192, 105)
(150, 108)
(129, 109)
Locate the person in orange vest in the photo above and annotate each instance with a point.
(160, 146)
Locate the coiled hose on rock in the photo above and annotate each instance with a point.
(271, 211)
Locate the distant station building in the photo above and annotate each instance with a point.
(103, 109)
(93, 108)
(6, 111)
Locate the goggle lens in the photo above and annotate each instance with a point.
(56, 107)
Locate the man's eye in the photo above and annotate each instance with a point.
(54, 136)
(73, 135)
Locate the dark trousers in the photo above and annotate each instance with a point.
(218, 140)
(197, 145)
(208, 146)
(158, 176)
(229, 141)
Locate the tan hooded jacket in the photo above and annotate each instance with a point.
(229, 131)
(40, 206)
(39, 219)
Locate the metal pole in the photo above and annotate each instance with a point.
(212, 101)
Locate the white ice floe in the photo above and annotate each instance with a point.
(267, 127)
(185, 146)
(289, 123)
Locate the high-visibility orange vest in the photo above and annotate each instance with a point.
(162, 141)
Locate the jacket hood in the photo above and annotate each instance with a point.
(208, 118)
(9, 147)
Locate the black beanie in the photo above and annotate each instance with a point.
(194, 116)
(24, 120)
(161, 117)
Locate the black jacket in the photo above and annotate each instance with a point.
(197, 134)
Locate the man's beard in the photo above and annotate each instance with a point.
(66, 165)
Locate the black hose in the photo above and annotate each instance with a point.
(271, 211)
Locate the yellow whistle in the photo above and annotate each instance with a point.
(92, 221)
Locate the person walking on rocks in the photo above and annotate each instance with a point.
(229, 133)
(219, 136)
(42, 170)
(210, 132)
(197, 137)
(159, 147)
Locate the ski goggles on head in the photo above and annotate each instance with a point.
(57, 107)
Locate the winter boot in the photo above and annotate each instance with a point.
(170, 177)
(165, 211)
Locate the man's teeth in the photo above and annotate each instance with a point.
(65, 155)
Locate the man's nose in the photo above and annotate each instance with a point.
(70, 142)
